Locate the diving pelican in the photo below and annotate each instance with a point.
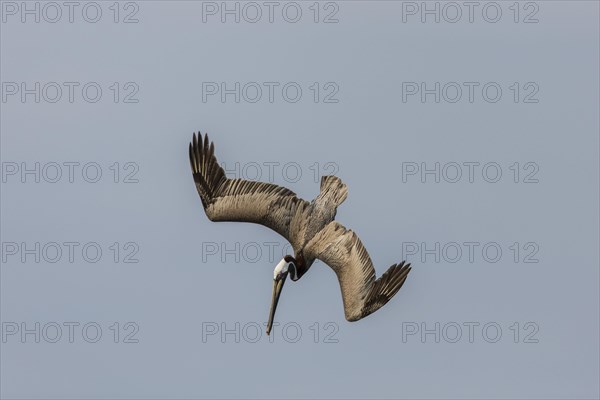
(309, 227)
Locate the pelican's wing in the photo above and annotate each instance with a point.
(343, 251)
(237, 199)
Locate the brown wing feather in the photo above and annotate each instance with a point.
(343, 251)
(237, 199)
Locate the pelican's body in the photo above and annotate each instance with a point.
(309, 227)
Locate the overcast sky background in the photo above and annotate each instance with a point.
(185, 283)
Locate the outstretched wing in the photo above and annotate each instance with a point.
(343, 251)
(237, 199)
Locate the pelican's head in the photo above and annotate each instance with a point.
(286, 266)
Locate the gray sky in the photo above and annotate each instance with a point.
(491, 193)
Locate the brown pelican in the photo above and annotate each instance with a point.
(309, 227)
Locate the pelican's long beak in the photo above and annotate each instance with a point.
(277, 286)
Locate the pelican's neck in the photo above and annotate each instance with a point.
(292, 268)
(298, 264)
(293, 272)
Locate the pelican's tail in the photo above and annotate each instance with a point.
(333, 189)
